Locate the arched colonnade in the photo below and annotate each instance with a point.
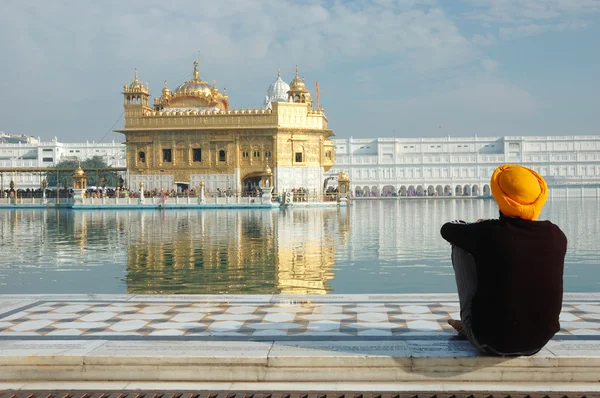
(422, 190)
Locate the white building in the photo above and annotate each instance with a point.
(381, 166)
(22, 151)
(464, 165)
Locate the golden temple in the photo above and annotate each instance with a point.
(192, 135)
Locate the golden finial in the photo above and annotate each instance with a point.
(135, 76)
(296, 70)
(165, 84)
(214, 84)
(196, 71)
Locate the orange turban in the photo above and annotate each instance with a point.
(519, 191)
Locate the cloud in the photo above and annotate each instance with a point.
(486, 39)
(490, 65)
(520, 18)
(76, 55)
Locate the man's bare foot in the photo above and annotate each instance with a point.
(458, 326)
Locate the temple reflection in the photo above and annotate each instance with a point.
(212, 252)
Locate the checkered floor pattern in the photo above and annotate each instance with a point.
(51, 319)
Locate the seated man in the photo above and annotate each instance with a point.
(509, 272)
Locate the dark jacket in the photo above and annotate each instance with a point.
(520, 280)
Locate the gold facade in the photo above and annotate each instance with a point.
(194, 131)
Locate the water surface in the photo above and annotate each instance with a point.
(376, 246)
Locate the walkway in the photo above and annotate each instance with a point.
(290, 339)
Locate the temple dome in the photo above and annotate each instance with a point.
(277, 91)
(194, 94)
(195, 87)
(192, 87)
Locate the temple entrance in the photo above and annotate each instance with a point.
(251, 185)
(182, 187)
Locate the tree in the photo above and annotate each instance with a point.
(58, 177)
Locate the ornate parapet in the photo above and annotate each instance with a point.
(282, 115)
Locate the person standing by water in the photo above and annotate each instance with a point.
(509, 271)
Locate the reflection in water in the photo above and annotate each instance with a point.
(372, 247)
(231, 251)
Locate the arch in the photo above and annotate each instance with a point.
(458, 190)
(250, 183)
(411, 190)
(430, 190)
(447, 190)
(388, 190)
(420, 191)
(439, 190)
(366, 191)
(374, 191)
(475, 191)
(357, 191)
(486, 190)
(402, 191)
(222, 155)
(467, 190)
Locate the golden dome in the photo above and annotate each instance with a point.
(267, 170)
(297, 84)
(79, 172)
(194, 87)
(343, 177)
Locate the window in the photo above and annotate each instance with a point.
(167, 155)
(328, 154)
(256, 154)
(142, 157)
(267, 154)
(47, 159)
(245, 154)
(48, 150)
(197, 154)
(222, 156)
(298, 157)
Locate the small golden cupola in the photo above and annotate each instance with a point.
(79, 178)
(166, 93)
(298, 91)
(193, 94)
(136, 93)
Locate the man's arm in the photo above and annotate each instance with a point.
(463, 235)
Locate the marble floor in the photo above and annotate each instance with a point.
(351, 317)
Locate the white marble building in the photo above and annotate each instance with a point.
(464, 165)
(21, 151)
(382, 166)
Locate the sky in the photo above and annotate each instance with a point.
(386, 68)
